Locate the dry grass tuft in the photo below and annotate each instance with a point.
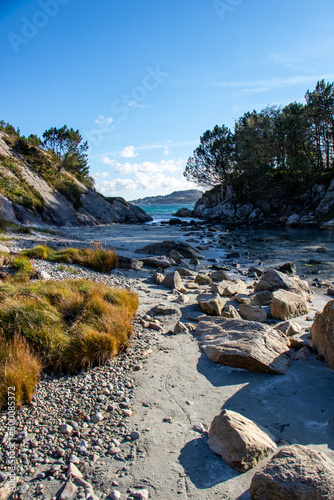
(68, 325)
(97, 257)
(19, 368)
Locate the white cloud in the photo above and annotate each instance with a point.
(144, 182)
(129, 152)
(149, 167)
(105, 121)
(101, 175)
(273, 83)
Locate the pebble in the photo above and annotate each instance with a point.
(135, 435)
(65, 429)
(114, 450)
(96, 417)
(115, 495)
(3, 477)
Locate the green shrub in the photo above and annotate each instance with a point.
(70, 190)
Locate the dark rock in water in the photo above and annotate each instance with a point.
(173, 221)
(184, 212)
(165, 247)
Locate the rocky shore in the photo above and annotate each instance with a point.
(139, 426)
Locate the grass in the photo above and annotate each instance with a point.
(65, 326)
(22, 267)
(70, 190)
(96, 257)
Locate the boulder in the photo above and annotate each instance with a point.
(211, 303)
(289, 328)
(219, 276)
(165, 310)
(252, 313)
(273, 280)
(173, 281)
(244, 344)
(184, 212)
(175, 255)
(294, 473)
(156, 262)
(129, 263)
(4, 249)
(322, 331)
(239, 441)
(286, 305)
(159, 278)
(174, 220)
(262, 298)
(203, 279)
(165, 247)
(185, 272)
(229, 288)
(292, 220)
(230, 312)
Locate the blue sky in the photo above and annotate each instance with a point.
(143, 80)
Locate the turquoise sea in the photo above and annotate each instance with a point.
(162, 212)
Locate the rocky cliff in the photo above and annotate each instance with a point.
(187, 197)
(313, 207)
(27, 198)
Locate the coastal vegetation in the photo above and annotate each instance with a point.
(287, 149)
(64, 326)
(96, 257)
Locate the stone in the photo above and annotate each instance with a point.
(273, 280)
(295, 472)
(182, 299)
(322, 331)
(174, 220)
(192, 286)
(229, 288)
(161, 262)
(219, 276)
(3, 476)
(292, 220)
(113, 450)
(289, 328)
(243, 298)
(165, 310)
(230, 312)
(210, 303)
(180, 328)
(67, 491)
(141, 494)
(158, 278)
(239, 441)
(287, 268)
(73, 471)
(244, 344)
(286, 305)
(298, 341)
(262, 298)
(5, 491)
(41, 275)
(185, 272)
(21, 436)
(173, 281)
(303, 353)
(129, 263)
(114, 495)
(175, 255)
(4, 249)
(165, 247)
(96, 417)
(252, 313)
(66, 429)
(203, 279)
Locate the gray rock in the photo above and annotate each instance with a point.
(96, 417)
(180, 328)
(230, 312)
(262, 298)
(183, 271)
(128, 263)
(203, 279)
(244, 344)
(173, 281)
(165, 310)
(295, 472)
(239, 441)
(219, 276)
(165, 247)
(68, 491)
(252, 313)
(4, 249)
(161, 262)
(210, 303)
(286, 305)
(65, 429)
(322, 331)
(273, 280)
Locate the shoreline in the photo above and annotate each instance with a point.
(166, 390)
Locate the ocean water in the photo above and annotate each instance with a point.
(161, 213)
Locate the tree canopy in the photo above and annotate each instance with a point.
(285, 145)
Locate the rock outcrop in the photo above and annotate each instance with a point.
(295, 472)
(322, 331)
(57, 209)
(239, 441)
(244, 344)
